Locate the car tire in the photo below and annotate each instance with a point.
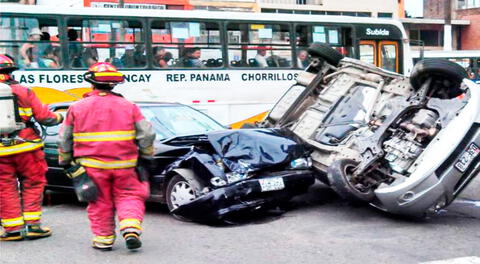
(324, 51)
(339, 179)
(436, 68)
(176, 184)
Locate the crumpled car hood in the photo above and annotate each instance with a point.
(255, 154)
(244, 151)
(250, 150)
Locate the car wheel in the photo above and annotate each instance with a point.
(341, 181)
(324, 51)
(179, 192)
(439, 69)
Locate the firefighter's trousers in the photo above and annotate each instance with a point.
(121, 192)
(24, 207)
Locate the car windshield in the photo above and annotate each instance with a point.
(176, 120)
(167, 120)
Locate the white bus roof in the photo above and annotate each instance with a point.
(446, 54)
(189, 14)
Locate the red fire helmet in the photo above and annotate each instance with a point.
(103, 73)
(7, 64)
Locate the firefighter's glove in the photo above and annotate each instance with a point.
(65, 160)
(144, 168)
(85, 188)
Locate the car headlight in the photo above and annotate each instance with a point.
(235, 177)
(218, 182)
(300, 164)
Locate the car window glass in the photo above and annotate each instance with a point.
(171, 121)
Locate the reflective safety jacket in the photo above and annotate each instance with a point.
(105, 131)
(29, 107)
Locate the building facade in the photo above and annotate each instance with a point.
(365, 8)
(470, 36)
(141, 4)
(447, 25)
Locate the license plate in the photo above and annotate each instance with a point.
(467, 157)
(272, 184)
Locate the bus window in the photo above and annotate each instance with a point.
(32, 42)
(120, 42)
(337, 37)
(367, 52)
(186, 44)
(259, 45)
(389, 55)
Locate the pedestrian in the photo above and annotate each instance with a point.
(22, 161)
(106, 134)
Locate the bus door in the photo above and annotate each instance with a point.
(381, 53)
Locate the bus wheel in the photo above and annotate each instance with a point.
(324, 51)
(446, 75)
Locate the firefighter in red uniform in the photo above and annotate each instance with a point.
(106, 134)
(22, 158)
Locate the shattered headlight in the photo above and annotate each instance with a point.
(300, 164)
(218, 182)
(235, 177)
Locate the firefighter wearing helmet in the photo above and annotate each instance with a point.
(103, 137)
(21, 157)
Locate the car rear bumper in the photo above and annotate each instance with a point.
(244, 195)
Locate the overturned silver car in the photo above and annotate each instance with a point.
(406, 145)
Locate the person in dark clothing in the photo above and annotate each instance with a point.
(74, 49)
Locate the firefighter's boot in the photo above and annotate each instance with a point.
(36, 231)
(103, 243)
(132, 240)
(12, 236)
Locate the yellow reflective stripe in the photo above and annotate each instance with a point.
(65, 155)
(29, 216)
(118, 164)
(147, 151)
(104, 136)
(78, 172)
(25, 111)
(104, 239)
(130, 223)
(19, 148)
(13, 222)
(105, 133)
(118, 138)
(108, 74)
(58, 117)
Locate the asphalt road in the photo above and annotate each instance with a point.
(317, 228)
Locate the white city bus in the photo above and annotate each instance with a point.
(469, 59)
(233, 66)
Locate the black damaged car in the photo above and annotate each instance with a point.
(205, 172)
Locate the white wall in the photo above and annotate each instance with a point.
(66, 3)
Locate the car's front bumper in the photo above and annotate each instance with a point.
(244, 195)
(437, 189)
